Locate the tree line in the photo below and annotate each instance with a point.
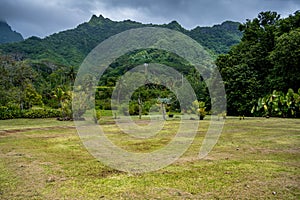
(261, 76)
(266, 59)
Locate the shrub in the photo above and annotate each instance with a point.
(8, 113)
(41, 113)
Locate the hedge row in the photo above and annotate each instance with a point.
(7, 113)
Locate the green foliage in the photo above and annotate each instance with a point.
(82, 100)
(17, 79)
(151, 90)
(279, 104)
(9, 112)
(198, 108)
(64, 98)
(266, 59)
(61, 95)
(31, 96)
(286, 60)
(97, 116)
(13, 113)
(139, 57)
(61, 49)
(218, 38)
(40, 71)
(41, 113)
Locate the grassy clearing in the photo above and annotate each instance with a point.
(255, 158)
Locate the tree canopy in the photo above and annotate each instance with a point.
(266, 59)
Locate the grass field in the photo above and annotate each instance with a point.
(255, 158)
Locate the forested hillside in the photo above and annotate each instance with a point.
(7, 35)
(218, 38)
(259, 62)
(43, 70)
(70, 47)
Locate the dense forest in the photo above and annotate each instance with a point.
(70, 47)
(265, 61)
(258, 60)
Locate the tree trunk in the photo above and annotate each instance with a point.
(140, 107)
(163, 111)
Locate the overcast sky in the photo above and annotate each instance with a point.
(45, 17)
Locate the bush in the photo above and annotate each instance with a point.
(9, 113)
(278, 104)
(41, 113)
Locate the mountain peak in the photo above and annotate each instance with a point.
(62, 50)
(7, 35)
(3, 24)
(94, 17)
(98, 20)
(175, 26)
(175, 23)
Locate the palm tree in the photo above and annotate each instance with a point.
(63, 98)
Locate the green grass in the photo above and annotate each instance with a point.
(106, 113)
(12, 124)
(256, 158)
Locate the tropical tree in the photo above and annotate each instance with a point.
(64, 101)
(199, 108)
(286, 60)
(266, 59)
(60, 95)
(163, 102)
(31, 96)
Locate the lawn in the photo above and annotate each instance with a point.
(255, 158)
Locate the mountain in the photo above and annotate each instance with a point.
(218, 38)
(71, 46)
(7, 35)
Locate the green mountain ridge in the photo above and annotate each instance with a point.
(261, 66)
(7, 35)
(70, 47)
(218, 38)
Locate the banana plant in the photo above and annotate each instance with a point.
(262, 104)
(279, 104)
